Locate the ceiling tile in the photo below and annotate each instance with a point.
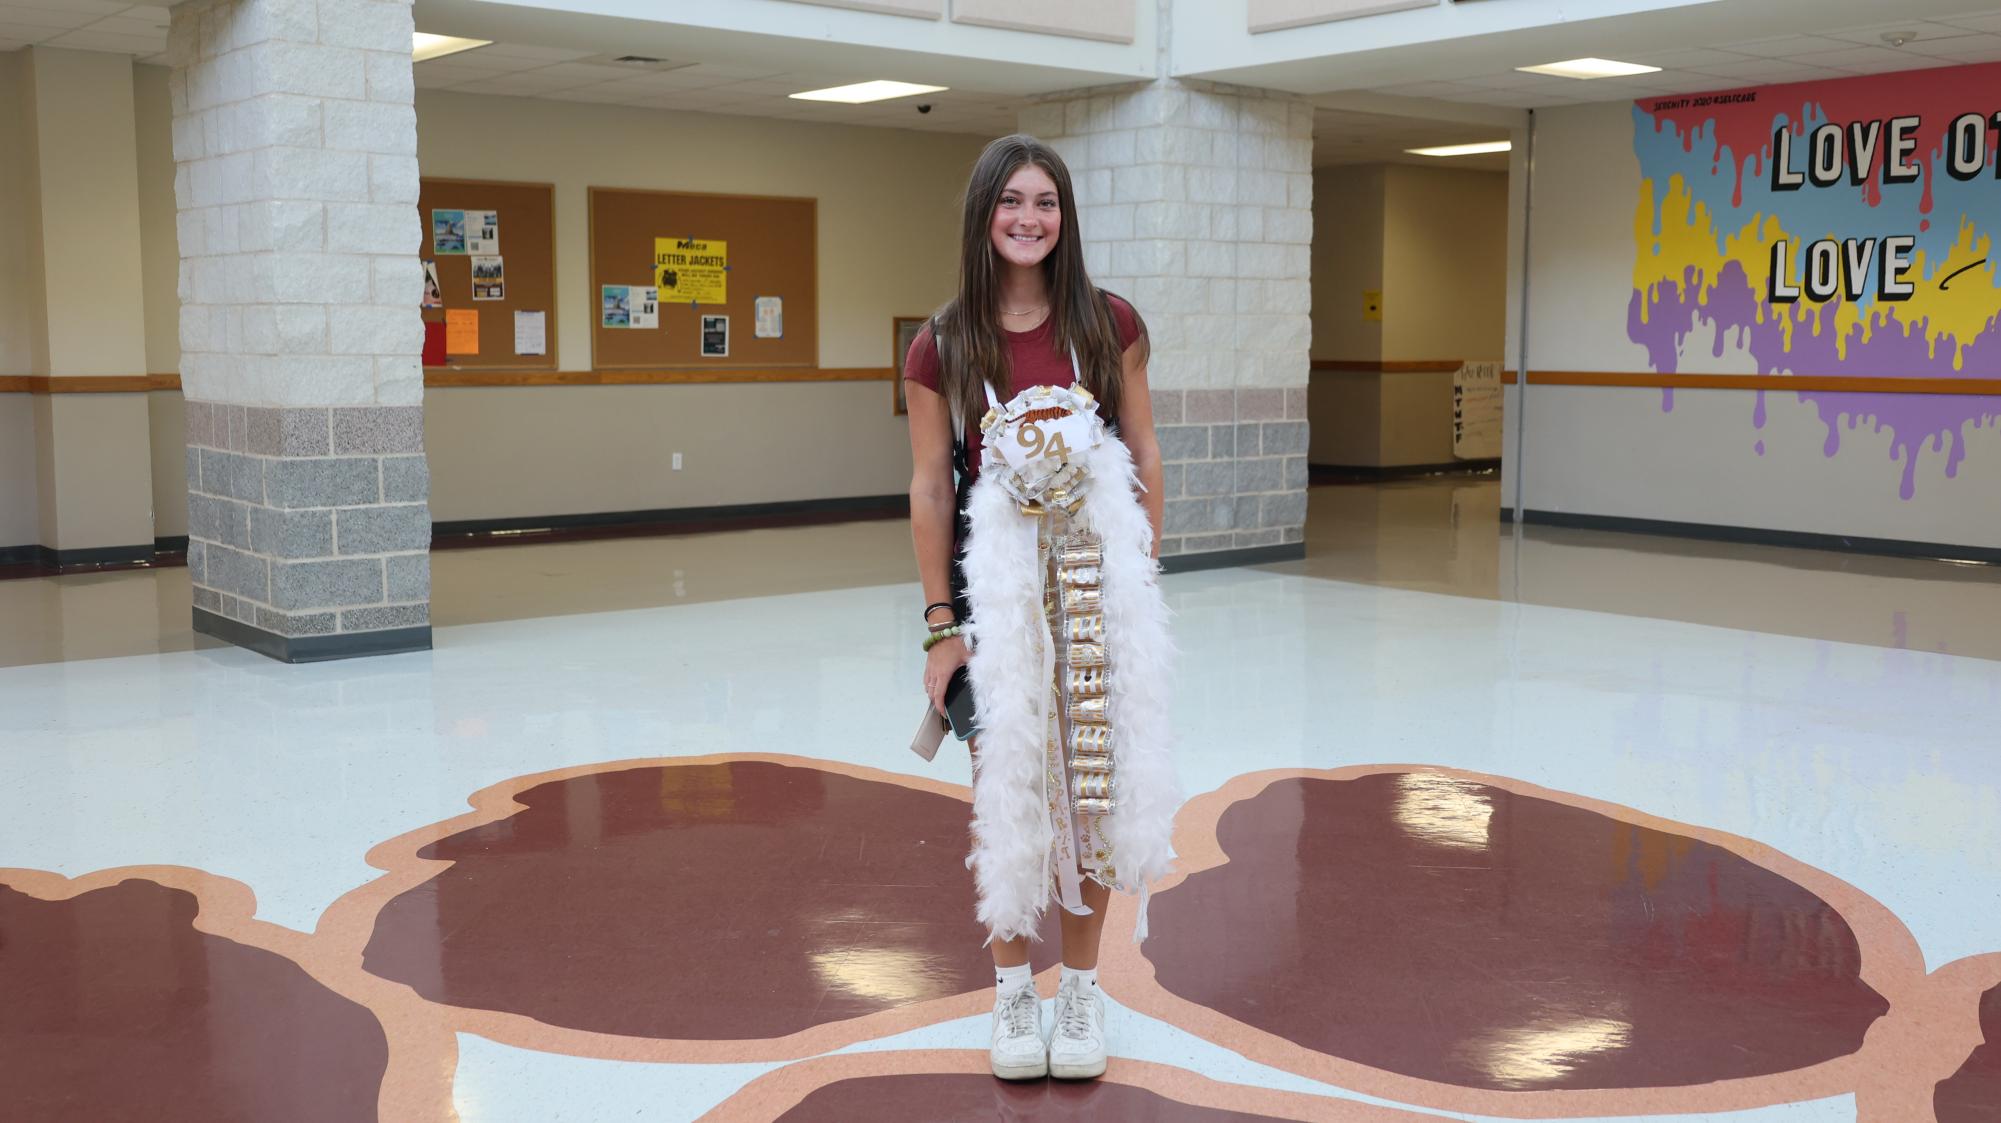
(1686, 60)
(55, 15)
(583, 72)
(88, 40)
(1989, 50)
(1873, 36)
(442, 72)
(528, 82)
(478, 60)
(131, 25)
(1859, 59)
(1760, 72)
(15, 16)
(1989, 21)
(601, 94)
(1901, 62)
(1512, 80)
(1785, 47)
(1957, 49)
(532, 53)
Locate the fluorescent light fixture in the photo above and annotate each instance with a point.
(425, 46)
(1591, 68)
(1465, 149)
(867, 91)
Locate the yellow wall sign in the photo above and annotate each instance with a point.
(691, 270)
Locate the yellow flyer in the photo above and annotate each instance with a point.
(691, 269)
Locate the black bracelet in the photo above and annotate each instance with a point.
(929, 608)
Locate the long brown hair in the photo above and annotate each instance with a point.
(974, 349)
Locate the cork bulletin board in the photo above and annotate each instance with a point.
(527, 249)
(769, 258)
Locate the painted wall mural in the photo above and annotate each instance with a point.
(1831, 228)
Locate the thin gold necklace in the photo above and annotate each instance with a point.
(1030, 312)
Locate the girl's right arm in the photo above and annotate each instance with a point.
(931, 500)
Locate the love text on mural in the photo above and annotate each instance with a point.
(1855, 153)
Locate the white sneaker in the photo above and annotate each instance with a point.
(1017, 1052)
(1077, 1047)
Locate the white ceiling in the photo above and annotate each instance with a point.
(1409, 114)
(563, 74)
(1841, 53)
(1348, 136)
(84, 25)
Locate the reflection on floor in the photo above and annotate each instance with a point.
(1478, 829)
(1434, 535)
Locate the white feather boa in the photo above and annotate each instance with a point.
(1011, 823)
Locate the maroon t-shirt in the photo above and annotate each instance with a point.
(1034, 358)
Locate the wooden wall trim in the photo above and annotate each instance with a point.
(87, 383)
(437, 378)
(1781, 383)
(1388, 366)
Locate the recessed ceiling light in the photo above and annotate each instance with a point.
(1464, 149)
(862, 92)
(425, 46)
(1591, 68)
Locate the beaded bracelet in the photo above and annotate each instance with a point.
(937, 637)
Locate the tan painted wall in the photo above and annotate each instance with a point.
(167, 420)
(887, 247)
(18, 487)
(158, 244)
(1347, 260)
(17, 352)
(1445, 262)
(505, 452)
(95, 470)
(88, 167)
(93, 454)
(1433, 241)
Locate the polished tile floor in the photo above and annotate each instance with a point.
(1481, 826)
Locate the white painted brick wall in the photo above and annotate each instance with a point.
(1195, 202)
(295, 141)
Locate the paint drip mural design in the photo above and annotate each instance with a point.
(1837, 228)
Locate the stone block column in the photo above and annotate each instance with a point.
(295, 143)
(1196, 202)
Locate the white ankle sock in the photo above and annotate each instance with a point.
(1010, 979)
(1080, 976)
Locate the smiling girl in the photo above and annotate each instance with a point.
(1073, 790)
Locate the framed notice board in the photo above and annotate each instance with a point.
(523, 238)
(737, 280)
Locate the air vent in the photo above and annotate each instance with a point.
(635, 62)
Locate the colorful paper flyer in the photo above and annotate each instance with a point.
(615, 306)
(645, 307)
(462, 331)
(482, 232)
(434, 294)
(531, 333)
(489, 279)
(691, 270)
(448, 232)
(770, 322)
(715, 337)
